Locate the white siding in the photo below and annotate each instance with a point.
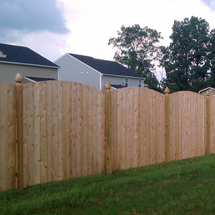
(74, 70)
(132, 82)
(9, 71)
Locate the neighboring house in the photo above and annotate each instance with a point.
(96, 72)
(210, 89)
(19, 59)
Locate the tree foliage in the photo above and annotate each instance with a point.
(211, 56)
(189, 56)
(138, 49)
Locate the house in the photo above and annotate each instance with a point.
(96, 72)
(209, 89)
(19, 59)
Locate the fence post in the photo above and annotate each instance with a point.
(19, 132)
(108, 128)
(167, 125)
(208, 145)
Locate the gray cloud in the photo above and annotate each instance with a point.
(30, 16)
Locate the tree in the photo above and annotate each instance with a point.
(186, 58)
(137, 48)
(211, 56)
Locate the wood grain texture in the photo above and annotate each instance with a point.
(212, 123)
(7, 136)
(64, 130)
(138, 127)
(187, 125)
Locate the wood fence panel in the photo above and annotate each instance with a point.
(2, 141)
(138, 127)
(144, 116)
(50, 131)
(4, 134)
(84, 144)
(67, 129)
(115, 150)
(212, 123)
(201, 137)
(60, 122)
(36, 157)
(55, 130)
(173, 113)
(187, 125)
(185, 122)
(193, 123)
(79, 127)
(151, 128)
(160, 135)
(74, 130)
(63, 126)
(11, 136)
(64, 130)
(88, 138)
(101, 128)
(43, 127)
(147, 127)
(7, 136)
(93, 132)
(28, 135)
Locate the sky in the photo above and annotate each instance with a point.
(55, 27)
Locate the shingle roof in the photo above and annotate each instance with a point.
(22, 55)
(106, 67)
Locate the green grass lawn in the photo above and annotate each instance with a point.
(179, 187)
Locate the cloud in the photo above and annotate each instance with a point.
(210, 4)
(30, 16)
(94, 22)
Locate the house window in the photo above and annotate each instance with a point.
(139, 83)
(126, 82)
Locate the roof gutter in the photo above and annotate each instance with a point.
(28, 64)
(123, 76)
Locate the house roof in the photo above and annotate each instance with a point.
(117, 86)
(106, 67)
(23, 55)
(38, 79)
(206, 89)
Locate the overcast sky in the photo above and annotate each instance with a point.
(55, 27)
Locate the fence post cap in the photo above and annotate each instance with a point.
(207, 93)
(18, 78)
(167, 90)
(107, 86)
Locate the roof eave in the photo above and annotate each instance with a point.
(28, 64)
(124, 76)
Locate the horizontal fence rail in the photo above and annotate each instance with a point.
(56, 130)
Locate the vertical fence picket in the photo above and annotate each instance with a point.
(108, 128)
(66, 130)
(19, 132)
(208, 131)
(167, 122)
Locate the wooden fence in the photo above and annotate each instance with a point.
(56, 130)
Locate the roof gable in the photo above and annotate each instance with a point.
(22, 55)
(106, 67)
